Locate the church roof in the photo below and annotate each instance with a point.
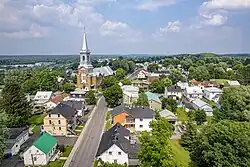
(106, 71)
(84, 42)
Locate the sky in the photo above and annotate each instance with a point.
(124, 26)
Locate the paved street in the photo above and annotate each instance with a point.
(85, 154)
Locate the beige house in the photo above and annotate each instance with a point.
(130, 94)
(60, 121)
(154, 101)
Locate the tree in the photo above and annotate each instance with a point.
(152, 67)
(225, 143)
(142, 100)
(68, 87)
(200, 73)
(158, 85)
(108, 82)
(3, 132)
(176, 76)
(219, 73)
(188, 138)
(90, 98)
(113, 95)
(170, 104)
(132, 66)
(120, 73)
(200, 117)
(15, 105)
(235, 104)
(126, 81)
(155, 148)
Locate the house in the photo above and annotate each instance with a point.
(78, 105)
(42, 151)
(192, 93)
(188, 106)
(16, 137)
(130, 94)
(133, 118)
(203, 84)
(154, 101)
(232, 83)
(182, 85)
(77, 95)
(152, 77)
(42, 97)
(198, 104)
(140, 83)
(142, 74)
(212, 94)
(169, 115)
(117, 146)
(61, 120)
(173, 91)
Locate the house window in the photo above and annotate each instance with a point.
(141, 119)
(115, 161)
(141, 126)
(110, 153)
(59, 121)
(58, 115)
(34, 158)
(49, 121)
(60, 128)
(119, 153)
(37, 151)
(49, 115)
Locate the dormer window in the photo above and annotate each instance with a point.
(58, 115)
(49, 115)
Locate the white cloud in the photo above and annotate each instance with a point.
(152, 5)
(227, 4)
(174, 26)
(214, 19)
(119, 29)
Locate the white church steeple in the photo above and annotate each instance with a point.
(85, 53)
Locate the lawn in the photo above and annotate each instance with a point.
(181, 114)
(67, 150)
(36, 128)
(181, 156)
(221, 81)
(108, 125)
(108, 115)
(80, 127)
(212, 103)
(57, 163)
(36, 119)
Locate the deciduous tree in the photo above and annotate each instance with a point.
(90, 98)
(113, 95)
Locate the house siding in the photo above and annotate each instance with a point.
(53, 128)
(120, 159)
(36, 154)
(154, 105)
(144, 122)
(121, 118)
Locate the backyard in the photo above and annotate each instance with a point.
(36, 121)
(181, 156)
(181, 114)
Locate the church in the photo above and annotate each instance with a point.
(89, 77)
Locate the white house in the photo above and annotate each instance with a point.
(198, 104)
(42, 151)
(42, 97)
(130, 94)
(173, 91)
(233, 83)
(117, 146)
(142, 74)
(182, 85)
(50, 105)
(172, 118)
(133, 118)
(212, 94)
(16, 137)
(192, 93)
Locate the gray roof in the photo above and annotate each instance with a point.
(106, 70)
(116, 135)
(78, 105)
(174, 88)
(213, 90)
(136, 112)
(13, 133)
(167, 114)
(199, 103)
(65, 110)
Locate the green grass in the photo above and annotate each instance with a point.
(181, 114)
(57, 163)
(36, 128)
(221, 81)
(67, 150)
(108, 125)
(108, 115)
(36, 119)
(80, 127)
(181, 156)
(212, 103)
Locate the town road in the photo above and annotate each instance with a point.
(87, 149)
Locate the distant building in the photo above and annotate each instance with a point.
(42, 151)
(78, 105)
(152, 77)
(89, 77)
(60, 121)
(182, 85)
(173, 91)
(169, 115)
(232, 83)
(192, 93)
(154, 101)
(142, 74)
(117, 146)
(212, 94)
(42, 97)
(77, 95)
(130, 94)
(133, 118)
(198, 104)
(16, 137)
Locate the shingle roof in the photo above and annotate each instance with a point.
(136, 112)
(106, 70)
(45, 95)
(174, 88)
(13, 133)
(213, 89)
(116, 135)
(45, 143)
(152, 96)
(194, 90)
(199, 103)
(168, 114)
(65, 110)
(78, 105)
